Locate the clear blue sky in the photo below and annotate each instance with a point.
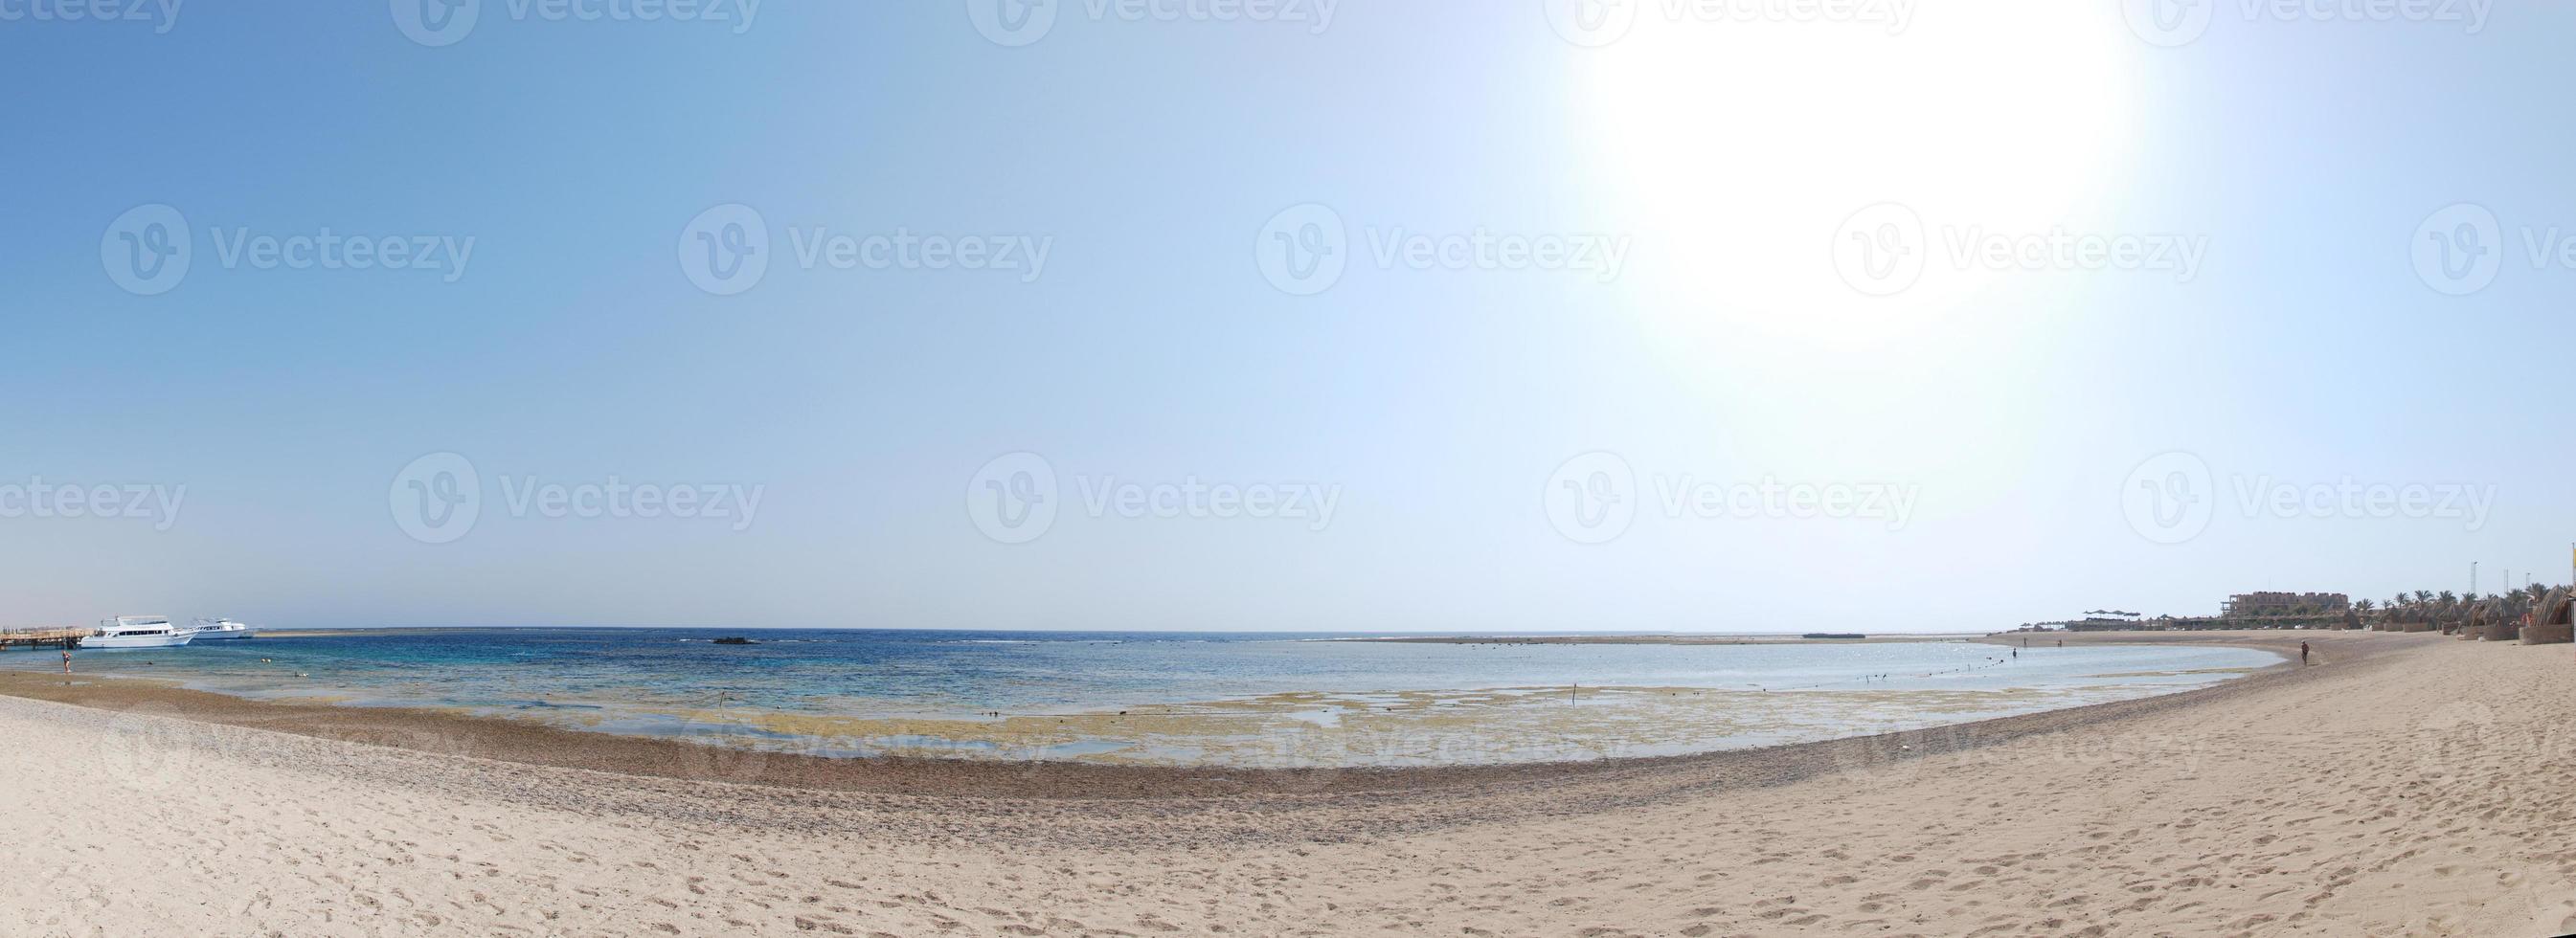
(1437, 405)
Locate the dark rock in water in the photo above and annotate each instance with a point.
(1833, 635)
(735, 640)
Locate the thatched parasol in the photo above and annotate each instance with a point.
(2550, 622)
(2493, 626)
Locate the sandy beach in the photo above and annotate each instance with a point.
(2403, 785)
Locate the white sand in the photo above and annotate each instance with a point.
(2420, 792)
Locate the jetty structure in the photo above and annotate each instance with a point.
(41, 638)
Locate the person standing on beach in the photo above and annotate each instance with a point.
(2303, 653)
(67, 659)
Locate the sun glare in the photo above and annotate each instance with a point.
(1737, 150)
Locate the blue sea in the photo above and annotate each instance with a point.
(1166, 698)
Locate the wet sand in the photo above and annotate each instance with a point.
(2403, 785)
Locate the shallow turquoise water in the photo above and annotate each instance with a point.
(635, 680)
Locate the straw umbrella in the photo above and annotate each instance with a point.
(2550, 619)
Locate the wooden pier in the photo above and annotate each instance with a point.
(40, 638)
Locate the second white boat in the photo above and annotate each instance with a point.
(207, 630)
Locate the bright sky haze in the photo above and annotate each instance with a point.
(1308, 315)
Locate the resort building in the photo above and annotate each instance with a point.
(2256, 605)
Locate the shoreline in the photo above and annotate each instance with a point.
(529, 743)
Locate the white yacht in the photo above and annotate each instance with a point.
(136, 632)
(207, 630)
